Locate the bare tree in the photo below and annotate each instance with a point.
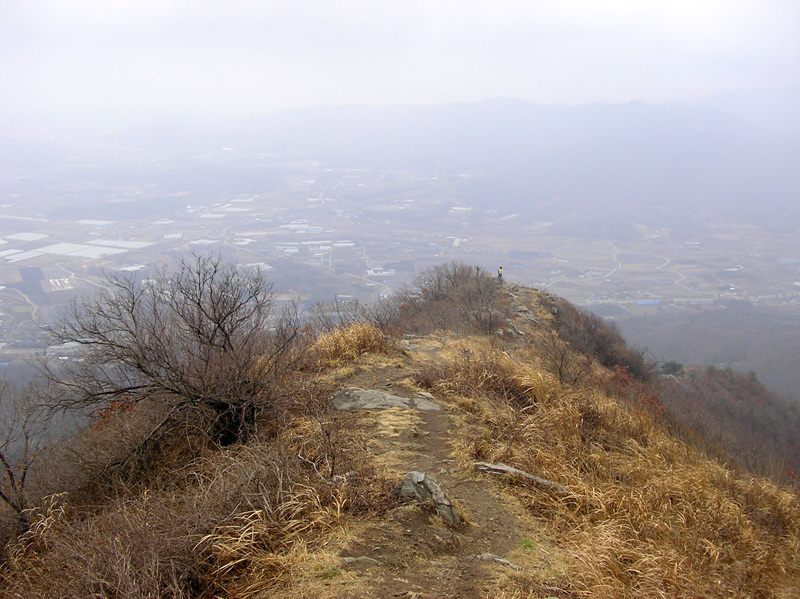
(386, 313)
(454, 295)
(327, 316)
(562, 360)
(21, 438)
(205, 336)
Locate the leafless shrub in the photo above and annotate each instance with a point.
(325, 317)
(22, 436)
(454, 297)
(386, 313)
(125, 446)
(206, 336)
(736, 418)
(561, 359)
(588, 334)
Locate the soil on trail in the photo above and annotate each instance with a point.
(411, 553)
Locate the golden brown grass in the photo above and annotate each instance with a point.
(345, 344)
(649, 515)
(238, 522)
(244, 521)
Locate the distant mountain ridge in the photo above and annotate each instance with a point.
(666, 165)
(435, 136)
(775, 108)
(623, 160)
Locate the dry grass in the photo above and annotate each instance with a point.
(489, 375)
(234, 523)
(241, 521)
(342, 345)
(649, 515)
(544, 572)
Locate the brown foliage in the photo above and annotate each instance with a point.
(588, 334)
(454, 297)
(644, 514)
(227, 524)
(649, 516)
(736, 413)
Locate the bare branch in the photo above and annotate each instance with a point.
(22, 420)
(204, 335)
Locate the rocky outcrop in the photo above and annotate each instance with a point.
(362, 561)
(418, 486)
(356, 398)
(491, 557)
(520, 309)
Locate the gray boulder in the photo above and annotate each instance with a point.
(356, 398)
(418, 486)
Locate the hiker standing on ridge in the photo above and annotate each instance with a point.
(500, 274)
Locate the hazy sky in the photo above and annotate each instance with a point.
(248, 56)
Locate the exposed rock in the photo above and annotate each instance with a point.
(418, 486)
(355, 398)
(534, 321)
(426, 402)
(362, 561)
(491, 557)
(524, 313)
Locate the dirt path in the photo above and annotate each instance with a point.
(414, 553)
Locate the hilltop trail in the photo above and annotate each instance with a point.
(416, 554)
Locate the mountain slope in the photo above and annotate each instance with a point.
(309, 507)
(735, 411)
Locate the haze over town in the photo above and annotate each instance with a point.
(640, 159)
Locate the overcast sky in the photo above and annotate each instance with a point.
(248, 56)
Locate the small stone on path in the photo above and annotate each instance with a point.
(360, 561)
(491, 557)
(418, 486)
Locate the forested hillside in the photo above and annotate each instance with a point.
(737, 413)
(729, 334)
